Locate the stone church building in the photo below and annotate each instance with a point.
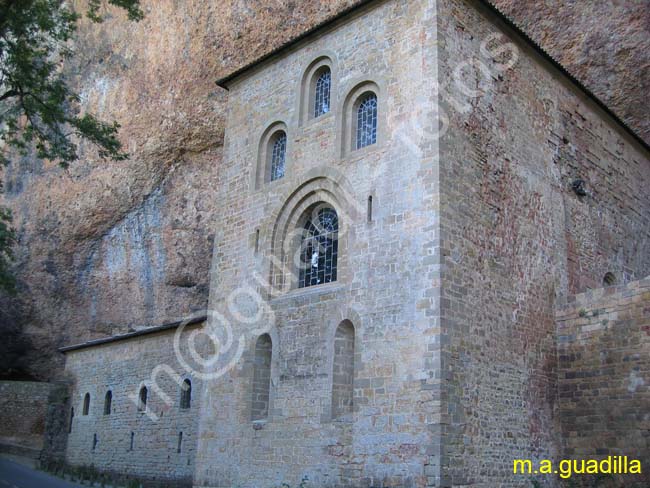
(430, 261)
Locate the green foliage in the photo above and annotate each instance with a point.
(38, 110)
(7, 239)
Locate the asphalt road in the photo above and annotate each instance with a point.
(13, 475)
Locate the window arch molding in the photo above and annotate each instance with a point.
(352, 316)
(322, 186)
(324, 61)
(356, 95)
(186, 393)
(269, 337)
(265, 154)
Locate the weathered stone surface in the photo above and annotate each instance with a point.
(107, 246)
(605, 44)
(24, 409)
(448, 293)
(156, 441)
(603, 373)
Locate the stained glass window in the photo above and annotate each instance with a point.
(367, 121)
(278, 156)
(322, 93)
(319, 249)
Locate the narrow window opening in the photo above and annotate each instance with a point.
(180, 442)
(142, 404)
(86, 407)
(108, 402)
(319, 248)
(71, 419)
(186, 394)
(94, 441)
(366, 129)
(343, 370)
(609, 279)
(278, 155)
(257, 241)
(370, 208)
(322, 93)
(262, 378)
(132, 439)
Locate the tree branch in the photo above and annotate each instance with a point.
(9, 94)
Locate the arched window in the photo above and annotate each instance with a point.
(262, 378)
(142, 404)
(366, 123)
(186, 394)
(343, 370)
(322, 90)
(278, 155)
(609, 279)
(71, 419)
(108, 402)
(319, 248)
(86, 408)
(180, 442)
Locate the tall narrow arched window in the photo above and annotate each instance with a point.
(343, 370)
(262, 378)
(186, 394)
(108, 402)
(322, 91)
(278, 155)
(86, 407)
(366, 121)
(71, 419)
(142, 404)
(319, 248)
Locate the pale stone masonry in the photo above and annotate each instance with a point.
(126, 440)
(496, 188)
(603, 371)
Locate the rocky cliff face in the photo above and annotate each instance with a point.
(106, 247)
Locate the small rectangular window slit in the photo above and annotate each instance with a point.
(180, 442)
(370, 208)
(257, 241)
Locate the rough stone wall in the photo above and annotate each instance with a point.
(515, 237)
(604, 372)
(135, 233)
(386, 285)
(123, 367)
(24, 409)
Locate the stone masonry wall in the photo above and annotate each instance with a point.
(123, 367)
(387, 283)
(516, 237)
(604, 373)
(24, 408)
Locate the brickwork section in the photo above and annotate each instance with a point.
(386, 284)
(343, 370)
(261, 378)
(122, 368)
(24, 406)
(516, 237)
(604, 372)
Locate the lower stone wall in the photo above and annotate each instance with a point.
(155, 444)
(604, 373)
(24, 408)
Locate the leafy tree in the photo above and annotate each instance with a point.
(38, 110)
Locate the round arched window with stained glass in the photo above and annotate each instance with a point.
(319, 248)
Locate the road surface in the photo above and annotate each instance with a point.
(14, 475)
